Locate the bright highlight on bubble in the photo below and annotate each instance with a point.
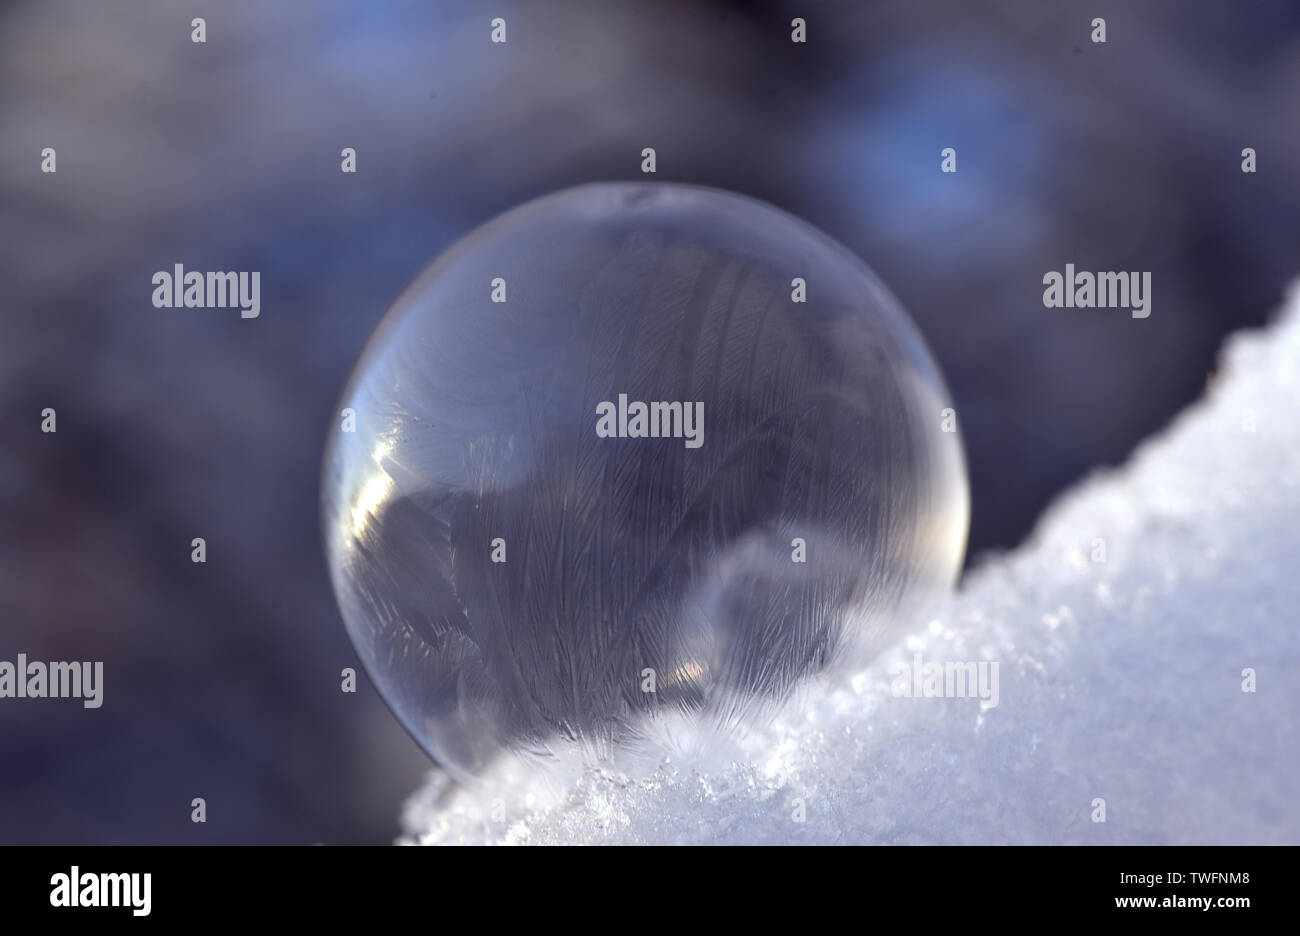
(628, 456)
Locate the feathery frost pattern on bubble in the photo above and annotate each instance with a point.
(632, 456)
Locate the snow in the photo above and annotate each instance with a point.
(1123, 631)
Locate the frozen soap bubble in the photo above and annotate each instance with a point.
(600, 471)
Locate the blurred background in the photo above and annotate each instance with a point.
(222, 680)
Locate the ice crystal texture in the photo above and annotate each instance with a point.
(1124, 677)
(528, 569)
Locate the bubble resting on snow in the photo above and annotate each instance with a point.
(810, 507)
(1120, 680)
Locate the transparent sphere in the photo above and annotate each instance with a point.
(630, 454)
